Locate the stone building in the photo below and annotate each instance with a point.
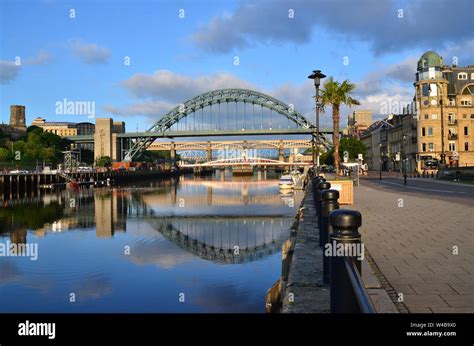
(60, 128)
(106, 142)
(444, 100)
(358, 122)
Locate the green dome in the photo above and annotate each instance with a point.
(432, 60)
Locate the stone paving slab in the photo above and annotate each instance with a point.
(421, 244)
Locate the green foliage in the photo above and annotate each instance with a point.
(4, 154)
(37, 145)
(335, 94)
(353, 146)
(103, 161)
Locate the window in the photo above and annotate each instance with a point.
(472, 76)
(430, 146)
(466, 102)
(430, 131)
(423, 147)
(462, 76)
(451, 103)
(426, 116)
(466, 131)
(426, 90)
(466, 146)
(434, 116)
(452, 146)
(423, 132)
(451, 118)
(464, 116)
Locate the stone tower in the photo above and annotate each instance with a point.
(17, 116)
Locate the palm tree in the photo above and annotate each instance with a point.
(335, 94)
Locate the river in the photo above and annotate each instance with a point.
(187, 244)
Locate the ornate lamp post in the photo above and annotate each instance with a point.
(381, 160)
(316, 76)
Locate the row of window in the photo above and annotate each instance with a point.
(451, 117)
(431, 131)
(427, 147)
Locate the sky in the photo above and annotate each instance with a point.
(135, 60)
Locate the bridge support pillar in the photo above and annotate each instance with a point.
(209, 151)
(173, 151)
(280, 151)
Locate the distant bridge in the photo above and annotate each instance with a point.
(251, 161)
(241, 145)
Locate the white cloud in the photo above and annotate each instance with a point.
(43, 57)
(89, 53)
(8, 71)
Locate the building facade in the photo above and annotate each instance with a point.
(59, 128)
(444, 100)
(358, 122)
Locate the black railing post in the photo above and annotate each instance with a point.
(329, 203)
(345, 239)
(316, 181)
(322, 186)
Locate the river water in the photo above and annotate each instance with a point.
(188, 244)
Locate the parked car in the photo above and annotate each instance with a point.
(19, 171)
(85, 169)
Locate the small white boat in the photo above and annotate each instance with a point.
(286, 182)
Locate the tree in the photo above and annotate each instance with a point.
(335, 94)
(103, 161)
(4, 154)
(353, 146)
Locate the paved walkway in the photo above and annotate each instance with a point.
(422, 239)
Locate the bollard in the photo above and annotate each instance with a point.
(316, 181)
(322, 186)
(329, 203)
(345, 234)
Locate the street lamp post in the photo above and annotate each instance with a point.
(404, 163)
(316, 76)
(381, 157)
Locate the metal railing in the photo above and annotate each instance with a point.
(364, 304)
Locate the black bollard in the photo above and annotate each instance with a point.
(316, 181)
(329, 203)
(345, 234)
(324, 185)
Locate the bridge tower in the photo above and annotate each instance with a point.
(173, 150)
(280, 151)
(209, 151)
(105, 138)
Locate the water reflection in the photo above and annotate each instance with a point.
(190, 225)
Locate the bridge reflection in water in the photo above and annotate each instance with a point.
(219, 241)
(229, 240)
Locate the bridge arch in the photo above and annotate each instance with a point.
(217, 97)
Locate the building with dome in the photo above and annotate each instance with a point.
(444, 97)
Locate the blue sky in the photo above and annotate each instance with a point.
(173, 59)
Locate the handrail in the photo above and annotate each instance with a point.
(358, 288)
